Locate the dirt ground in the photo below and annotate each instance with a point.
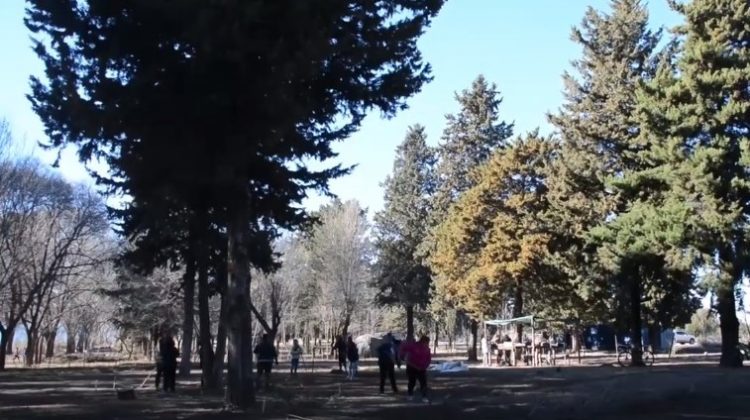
(680, 389)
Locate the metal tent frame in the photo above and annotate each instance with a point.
(525, 320)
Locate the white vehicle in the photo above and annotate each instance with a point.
(681, 337)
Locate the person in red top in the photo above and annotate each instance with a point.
(417, 357)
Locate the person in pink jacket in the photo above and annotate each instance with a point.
(417, 357)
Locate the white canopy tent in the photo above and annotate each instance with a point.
(525, 320)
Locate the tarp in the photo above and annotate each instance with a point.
(503, 322)
(449, 367)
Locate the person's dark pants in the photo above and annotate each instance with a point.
(342, 363)
(170, 375)
(387, 370)
(295, 366)
(415, 375)
(264, 370)
(159, 373)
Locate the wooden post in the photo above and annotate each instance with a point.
(485, 345)
(533, 343)
(617, 348)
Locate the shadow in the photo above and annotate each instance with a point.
(547, 392)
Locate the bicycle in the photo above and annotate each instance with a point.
(625, 356)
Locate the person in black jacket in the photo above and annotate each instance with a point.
(339, 347)
(266, 354)
(352, 355)
(386, 360)
(169, 353)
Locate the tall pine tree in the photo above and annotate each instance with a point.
(699, 115)
(402, 277)
(231, 97)
(494, 245)
(471, 136)
(598, 132)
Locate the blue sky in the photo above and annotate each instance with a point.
(521, 45)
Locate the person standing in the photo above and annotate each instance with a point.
(396, 349)
(386, 361)
(352, 355)
(486, 350)
(417, 357)
(266, 354)
(169, 353)
(295, 353)
(339, 347)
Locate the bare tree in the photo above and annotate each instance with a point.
(145, 304)
(31, 206)
(272, 293)
(339, 258)
(65, 243)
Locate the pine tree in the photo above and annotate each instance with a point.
(699, 116)
(495, 242)
(401, 276)
(469, 139)
(471, 136)
(646, 250)
(598, 136)
(229, 97)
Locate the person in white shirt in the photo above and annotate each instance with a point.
(486, 350)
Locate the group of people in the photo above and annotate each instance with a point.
(415, 354)
(347, 351)
(500, 345)
(391, 353)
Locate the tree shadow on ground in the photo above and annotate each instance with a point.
(548, 393)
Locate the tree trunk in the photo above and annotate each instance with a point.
(435, 343)
(473, 348)
(11, 331)
(188, 283)
(70, 344)
(731, 274)
(344, 327)
(636, 338)
(30, 347)
(575, 340)
(4, 334)
(240, 392)
(221, 344)
(39, 350)
(145, 344)
(518, 312)
(83, 339)
(51, 344)
(410, 321)
(208, 380)
(729, 325)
